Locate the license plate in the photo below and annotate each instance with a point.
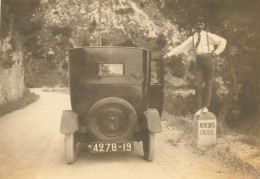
(111, 147)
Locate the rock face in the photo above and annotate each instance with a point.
(65, 24)
(11, 70)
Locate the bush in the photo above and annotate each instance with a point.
(127, 43)
(179, 105)
(31, 44)
(93, 26)
(177, 67)
(33, 27)
(85, 42)
(161, 41)
(7, 63)
(63, 31)
(104, 42)
(122, 11)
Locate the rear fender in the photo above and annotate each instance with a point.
(69, 122)
(153, 120)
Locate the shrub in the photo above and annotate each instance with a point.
(177, 67)
(122, 11)
(93, 26)
(31, 44)
(127, 43)
(65, 65)
(179, 105)
(63, 31)
(7, 63)
(85, 42)
(161, 41)
(104, 42)
(33, 27)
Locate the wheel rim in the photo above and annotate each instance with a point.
(111, 122)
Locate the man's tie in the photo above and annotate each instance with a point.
(198, 41)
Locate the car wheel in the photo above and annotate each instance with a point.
(112, 119)
(149, 146)
(70, 146)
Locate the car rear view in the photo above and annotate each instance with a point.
(110, 90)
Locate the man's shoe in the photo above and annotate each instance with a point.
(198, 112)
(205, 110)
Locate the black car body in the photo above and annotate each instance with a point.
(116, 97)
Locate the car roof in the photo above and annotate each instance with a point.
(110, 47)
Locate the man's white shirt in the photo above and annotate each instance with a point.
(206, 44)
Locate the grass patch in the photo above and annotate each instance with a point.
(181, 123)
(176, 128)
(28, 98)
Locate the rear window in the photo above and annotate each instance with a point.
(105, 69)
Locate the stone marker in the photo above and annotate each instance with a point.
(204, 129)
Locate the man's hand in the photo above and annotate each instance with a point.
(165, 57)
(214, 54)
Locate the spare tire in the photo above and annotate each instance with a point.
(111, 119)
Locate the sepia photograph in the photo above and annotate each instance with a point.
(130, 89)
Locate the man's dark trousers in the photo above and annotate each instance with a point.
(205, 65)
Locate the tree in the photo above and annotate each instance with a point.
(237, 21)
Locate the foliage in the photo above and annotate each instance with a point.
(127, 43)
(7, 63)
(161, 41)
(123, 11)
(104, 42)
(93, 26)
(5, 20)
(178, 69)
(238, 22)
(178, 105)
(43, 71)
(31, 44)
(19, 13)
(85, 42)
(63, 31)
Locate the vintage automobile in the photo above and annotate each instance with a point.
(116, 98)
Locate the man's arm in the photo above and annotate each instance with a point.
(219, 41)
(186, 45)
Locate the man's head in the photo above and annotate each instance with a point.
(199, 24)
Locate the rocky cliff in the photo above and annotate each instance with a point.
(11, 70)
(63, 24)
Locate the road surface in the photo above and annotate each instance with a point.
(32, 147)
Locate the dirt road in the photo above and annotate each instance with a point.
(32, 147)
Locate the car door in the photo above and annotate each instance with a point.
(156, 85)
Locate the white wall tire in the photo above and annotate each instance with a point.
(149, 146)
(70, 146)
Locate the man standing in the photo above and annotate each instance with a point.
(203, 43)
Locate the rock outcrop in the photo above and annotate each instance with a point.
(66, 24)
(11, 69)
